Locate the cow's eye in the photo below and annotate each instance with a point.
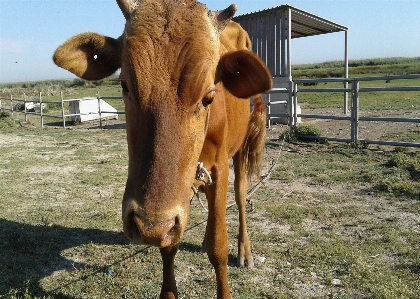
(124, 87)
(208, 98)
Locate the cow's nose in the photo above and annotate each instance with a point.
(157, 233)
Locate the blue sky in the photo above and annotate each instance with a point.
(30, 30)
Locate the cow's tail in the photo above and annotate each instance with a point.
(253, 146)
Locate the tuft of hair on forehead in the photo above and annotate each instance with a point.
(170, 17)
(188, 3)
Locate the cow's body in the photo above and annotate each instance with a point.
(184, 74)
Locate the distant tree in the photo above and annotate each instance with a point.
(78, 83)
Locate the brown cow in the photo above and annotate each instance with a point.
(185, 74)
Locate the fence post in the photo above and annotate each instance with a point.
(355, 111)
(290, 103)
(11, 106)
(99, 109)
(346, 99)
(269, 109)
(295, 104)
(40, 109)
(62, 109)
(24, 107)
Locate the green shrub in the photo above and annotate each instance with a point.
(308, 130)
(4, 114)
(398, 186)
(405, 176)
(301, 131)
(288, 136)
(404, 161)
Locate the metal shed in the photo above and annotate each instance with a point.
(271, 31)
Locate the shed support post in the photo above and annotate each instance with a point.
(283, 45)
(289, 43)
(346, 72)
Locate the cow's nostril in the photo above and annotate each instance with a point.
(136, 229)
(174, 231)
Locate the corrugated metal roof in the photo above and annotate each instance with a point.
(302, 23)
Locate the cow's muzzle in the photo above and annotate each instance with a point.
(159, 233)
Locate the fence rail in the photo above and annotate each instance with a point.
(10, 105)
(354, 90)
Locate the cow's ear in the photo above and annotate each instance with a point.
(89, 56)
(243, 74)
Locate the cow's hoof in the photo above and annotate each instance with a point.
(168, 295)
(246, 262)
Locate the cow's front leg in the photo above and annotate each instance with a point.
(216, 232)
(169, 290)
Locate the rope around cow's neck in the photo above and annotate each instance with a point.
(201, 171)
(200, 175)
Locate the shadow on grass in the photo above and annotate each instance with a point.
(194, 248)
(29, 253)
(87, 125)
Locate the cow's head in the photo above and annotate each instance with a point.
(171, 71)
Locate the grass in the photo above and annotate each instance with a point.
(363, 67)
(396, 172)
(389, 100)
(323, 225)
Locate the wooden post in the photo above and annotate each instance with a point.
(11, 106)
(62, 110)
(99, 109)
(40, 109)
(24, 105)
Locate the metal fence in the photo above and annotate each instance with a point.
(20, 106)
(355, 92)
(292, 93)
